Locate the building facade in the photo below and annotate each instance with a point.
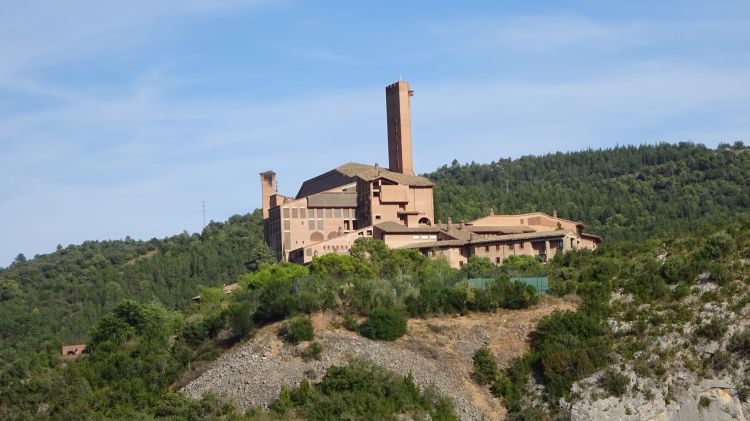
(332, 210)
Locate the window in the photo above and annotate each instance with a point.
(308, 252)
(486, 249)
(424, 237)
(311, 224)
(287, 225)
(320, 224)
(311, 213)
(346, 225)
(433, 237)
(369, 232)
(286, 213)
(320, 213)
(415, 237)
(520, 245)
(512, 246)
(497, 247)
(338, 213)
(377, 216)
(294, 212)
(346, 213)
(497, 260)
(302, 212)
(329, 214)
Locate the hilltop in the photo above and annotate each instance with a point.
(663, 304)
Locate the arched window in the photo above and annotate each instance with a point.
(317, 236)
(424, 221)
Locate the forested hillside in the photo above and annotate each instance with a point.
(639, 198)
(58, 297)
(622, 193)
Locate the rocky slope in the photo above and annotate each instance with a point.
(437, 351)
(681, 371)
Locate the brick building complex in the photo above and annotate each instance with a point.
(353, 201)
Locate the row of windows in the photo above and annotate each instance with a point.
(296, 213)
(424, 237)
(331, 248)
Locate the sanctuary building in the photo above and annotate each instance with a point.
(334, 209)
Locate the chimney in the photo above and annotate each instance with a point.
(492, 211)
(554, 214)
(399, 127)
(268, 189)
(450, 224)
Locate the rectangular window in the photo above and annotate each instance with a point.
(294, 212)
(497, 247)
(512, 246)
(320, 213)
(287, 225)
(346, 225)
(328, 213)
(308, 252)
(377, 216)
(286, 213)
(311, 224)
(346, 213)
(497, 260)
(320, 224)
(520, 245)
(415, 237)
(486, 249)
(424, 237)
(311, 213)
(338, 213)
(433, 237)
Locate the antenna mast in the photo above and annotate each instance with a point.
(204, 214)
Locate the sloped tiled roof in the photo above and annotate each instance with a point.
(347, 173)
(333, 200)
(391, 227)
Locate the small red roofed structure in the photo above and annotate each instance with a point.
(71, 352)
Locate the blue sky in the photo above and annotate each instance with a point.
(119, 118)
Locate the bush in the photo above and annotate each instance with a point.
(298, 330)
(240, 318)
(704, 402)
(740, 343)
(712, 330)
(313, 351)
(614, 382)
(485, 366)
(718, 245)
(385, 323)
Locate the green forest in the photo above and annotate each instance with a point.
(624, 193)
(130, 301)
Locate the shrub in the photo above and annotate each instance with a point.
(240, 318)
(312, 351)
(351, 323)
(740, 343)
(298, 330)
(614, 382)
(485, 366)
(704, 402)
(712, 330)
(718, 245)
(385, 323)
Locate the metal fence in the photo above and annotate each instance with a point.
(541, 283)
